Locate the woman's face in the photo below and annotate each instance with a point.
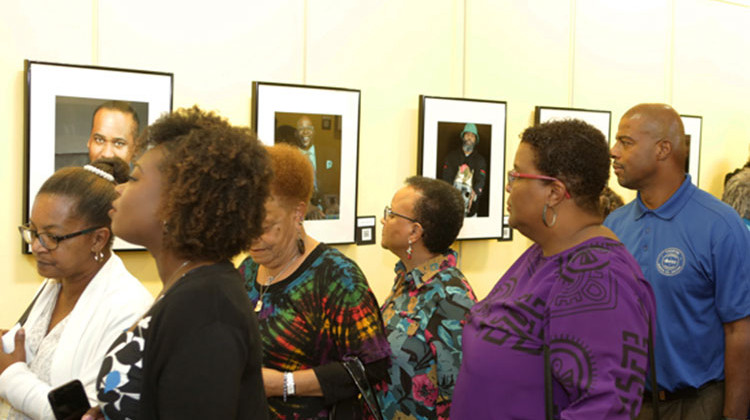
(396, 228)
(134, 212)
(273, 248)
(53, 214)
(526, 196)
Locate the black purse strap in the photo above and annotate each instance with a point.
(356, 370)
(25, 316)
(548, 404)
(652, 373)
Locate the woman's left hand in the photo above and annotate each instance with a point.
(273, 382)
(18, 354)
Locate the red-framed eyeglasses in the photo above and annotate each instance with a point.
(514, 175)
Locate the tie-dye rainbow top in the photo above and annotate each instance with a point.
(322, 312)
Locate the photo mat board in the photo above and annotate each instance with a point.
(477, 171)
(59, 104)
(324, 123)
(693, 133)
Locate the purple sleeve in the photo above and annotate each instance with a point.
(598, 336)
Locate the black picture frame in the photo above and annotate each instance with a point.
(59, 100)
(278, 112)
(442, 123)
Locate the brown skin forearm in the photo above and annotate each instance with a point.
(305, 383)
(737, 368)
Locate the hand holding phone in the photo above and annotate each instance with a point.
(69, 401)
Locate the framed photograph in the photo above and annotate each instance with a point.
(76, 114)
(599, 119)
(693, 130)
(324, 123)
(462, 141)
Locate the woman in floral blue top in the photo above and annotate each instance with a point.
(428, 304)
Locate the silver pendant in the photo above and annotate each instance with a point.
(259, 306)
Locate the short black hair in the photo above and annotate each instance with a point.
(123, 107)
(93, 194)
(440, 211)
(574, 152)
(216, 179)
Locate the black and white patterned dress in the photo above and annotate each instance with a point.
(121, 375)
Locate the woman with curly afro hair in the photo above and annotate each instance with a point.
(194, 200)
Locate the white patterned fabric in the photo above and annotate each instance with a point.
(42, 344)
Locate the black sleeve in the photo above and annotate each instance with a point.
(480, 173)
(336, 383)
(449, 169)
(202, 378)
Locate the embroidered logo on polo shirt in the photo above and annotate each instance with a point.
(670, 262)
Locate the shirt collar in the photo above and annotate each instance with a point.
(672, 206)
(422, 274)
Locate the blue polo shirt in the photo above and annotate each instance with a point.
(695, 252)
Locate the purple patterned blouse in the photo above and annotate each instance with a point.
(591, 305)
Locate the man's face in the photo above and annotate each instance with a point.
(634, 154)
(111, 135)
(469, 141)
(305, 132)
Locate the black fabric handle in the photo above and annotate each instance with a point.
(357, 371)
(25, 316)
(652, 373)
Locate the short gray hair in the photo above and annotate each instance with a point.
(737, 192)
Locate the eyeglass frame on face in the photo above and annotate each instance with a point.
(513, 175)
(388, 212)
(34, 234)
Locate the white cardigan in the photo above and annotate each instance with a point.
(110, 304)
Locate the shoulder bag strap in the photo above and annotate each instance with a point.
(652, 372)
(356, 370)
(25, 316)
(548, 404)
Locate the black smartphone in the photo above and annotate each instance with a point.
(69, 401)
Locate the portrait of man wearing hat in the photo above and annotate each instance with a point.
(466, 169)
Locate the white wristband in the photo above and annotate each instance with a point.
(289, 384)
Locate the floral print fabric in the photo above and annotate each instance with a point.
(424, 317)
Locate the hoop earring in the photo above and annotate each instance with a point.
(544, 215)
(99, 256)
(300, 243)
(409, 251)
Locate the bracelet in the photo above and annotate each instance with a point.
(289, 388)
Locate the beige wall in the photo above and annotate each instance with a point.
(581, 53)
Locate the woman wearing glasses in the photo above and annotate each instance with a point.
(574, 308)
(430, 299)
(88, 296)
(313, 304)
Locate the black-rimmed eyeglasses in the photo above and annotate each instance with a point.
(388, 213)
(49, 240)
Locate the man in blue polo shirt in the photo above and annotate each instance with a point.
(695, 252)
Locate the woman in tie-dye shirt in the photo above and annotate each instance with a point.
(313, 304)
(430, 299)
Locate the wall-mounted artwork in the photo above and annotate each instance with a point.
(324, 123)
(602, 120)
(76, 114)
(462, 141)
(693, 130)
